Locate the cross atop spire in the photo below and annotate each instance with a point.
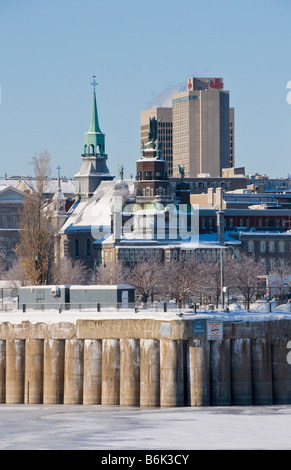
(94, 83)
(94, 125)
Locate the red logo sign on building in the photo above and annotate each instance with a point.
(216, 83)
(190, 83)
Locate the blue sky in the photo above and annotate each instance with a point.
(140, 51)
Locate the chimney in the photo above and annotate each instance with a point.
(219, 198)
(210, 198)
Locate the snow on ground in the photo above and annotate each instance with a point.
(258, 312)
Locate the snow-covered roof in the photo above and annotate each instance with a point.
(96, 211)
(51, 186)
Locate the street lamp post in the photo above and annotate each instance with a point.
(222, 288)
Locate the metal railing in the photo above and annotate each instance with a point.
(235, 298)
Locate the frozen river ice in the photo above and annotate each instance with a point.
(81, 427)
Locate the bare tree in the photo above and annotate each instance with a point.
(279, 279)
(245, 274)
(211, 287)
(112, 273)
(211, 275)
(2, 260)
(16, 276)
(147, 277)
(69, 271)
(182, 279)
(66, 272)
(36, 231)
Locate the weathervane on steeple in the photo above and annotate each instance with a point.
(94, 83)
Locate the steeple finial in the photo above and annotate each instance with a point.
(94, 125)
(94, 83)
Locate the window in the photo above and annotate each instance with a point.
(77, 248)
(281, 247)
(263, 262)
(148, 175)
(271, 247)
(251, 246)
(262, 246)
(88, 247)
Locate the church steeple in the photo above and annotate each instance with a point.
(94, 139)
(94, 126)
(94, 168)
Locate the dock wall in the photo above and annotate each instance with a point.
(145, 363)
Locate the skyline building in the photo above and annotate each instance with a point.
(197, 132)
(201, 128)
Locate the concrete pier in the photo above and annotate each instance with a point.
(149, 372)
(281, 372)
(220, 373)
(15, 362)
(241, 372)
(2, 370)
(33, 385)
(92, 372)
(145, 363)
(129, 372)
(198, 373)
(171, 373)
(262, 372)
(74, 364)
(53, 371)
(110, 372)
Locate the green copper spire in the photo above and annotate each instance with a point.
(94, 126)
(94, 138)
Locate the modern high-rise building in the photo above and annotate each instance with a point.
(164, 119)
(197, 133)
(201, 128)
